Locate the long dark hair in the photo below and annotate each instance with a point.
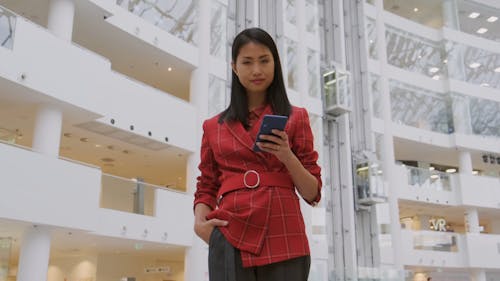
(276, 93)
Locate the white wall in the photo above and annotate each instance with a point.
(479, 191)
(72, 268)
(114, 267)
(483, 250)
(41, 189)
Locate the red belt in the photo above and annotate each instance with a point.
(253, 179)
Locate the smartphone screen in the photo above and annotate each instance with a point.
(269, 123)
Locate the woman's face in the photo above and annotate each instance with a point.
(254, 67)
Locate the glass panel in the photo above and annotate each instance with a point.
(485, 117)
(5, 246)
(218, 33)
(7, 27)
(421, 108)
(371, 34)
(291, 14)
(373, 80)
(414, 53)
(313, 69)
(291, 56)
(428, 13)
(430, 179)
(435, 241)
(177, 17)
(217, 99)
(473, 65)
(127, 195)
(311, 20)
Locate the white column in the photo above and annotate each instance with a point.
(47, 131)
(60, 21)
(302, 73)
(388, 157)
(465, 162)
(450, 14)
(34, 254)
(478, 275)
(471, 217)
(196, 259)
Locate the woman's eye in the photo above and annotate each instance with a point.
(264, 61)
(246, 62)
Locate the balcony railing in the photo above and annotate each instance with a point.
(428, 179)
(179, 18)
(435, 241)
(7, 27)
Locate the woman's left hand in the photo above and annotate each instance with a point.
(278, 145)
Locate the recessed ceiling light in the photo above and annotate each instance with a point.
(445, 61)
(415, 10)
(482, 30)
(435, 77)
(451, 170)
(474, 65)
(169, 69)
(97, 145)
(475, 172)
(484, 85)
(107, 160)
(474, 15)
(434, 176)
(497, 69)
(431, 168)
(492, 19)
(433, 69)
(84, 139)
(68, 135)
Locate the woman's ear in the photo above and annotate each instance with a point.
(233, 66)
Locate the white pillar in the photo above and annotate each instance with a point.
(471, 218)
(60, 21)
(388, 157)
(47, 131)
(465, 162)
(450, 14)
(196, 258)
(34, 254)
(478, 275)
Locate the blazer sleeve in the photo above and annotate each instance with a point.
(303, 147)
(208, 182)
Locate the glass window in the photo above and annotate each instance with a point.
(217, 98)
(485, 119)
(177, 17)
(313, 70)
(371, 34)
(218, 30)
(7, 27)
(311, 16)
(291, 56)
(291, 12)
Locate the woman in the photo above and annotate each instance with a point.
(245, 205)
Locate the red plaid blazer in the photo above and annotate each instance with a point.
(265, 223)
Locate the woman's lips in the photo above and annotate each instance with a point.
(257, 81)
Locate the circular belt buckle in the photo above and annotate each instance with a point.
(245, 179)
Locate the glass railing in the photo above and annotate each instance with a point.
(7, 27)
(179, 18)
(414, 53)
(435, 241)
(428, 179)
(218, 30)
(424, 109)
(369, 183)
(127, 195)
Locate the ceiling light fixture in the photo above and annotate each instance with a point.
(474, 65)
(484, 85)
(492, 19)
(169, 69)
(474, 15)
(451, 170)
(482, 30)
(415, 10)
(497, 69)
(435, 77)
(431, 168)
(433, 69)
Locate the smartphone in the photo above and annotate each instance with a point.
(269, 123)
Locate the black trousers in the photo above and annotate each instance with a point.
(224, 264)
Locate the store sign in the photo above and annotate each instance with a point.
(438, 224)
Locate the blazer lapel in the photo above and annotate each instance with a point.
(242, 135)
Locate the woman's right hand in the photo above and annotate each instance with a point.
(203, 227)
